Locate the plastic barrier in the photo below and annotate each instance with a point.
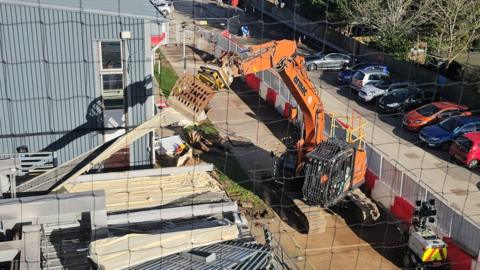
(253, 82)
(459, 259)
(280, 104)
(286, 109)
(382, 194)
(370, 179)
(402, 209)
(263, 90)
(271, 96)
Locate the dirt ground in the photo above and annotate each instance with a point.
(340, 247)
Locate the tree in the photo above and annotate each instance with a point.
(394, 21)
(456, 25)
(325, 12)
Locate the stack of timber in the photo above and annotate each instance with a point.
(146, 192)
(133, 249)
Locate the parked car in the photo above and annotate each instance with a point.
(373, 91)
(466, 148)
(332, 61)
(367, 76)
(165, 7)
(344, 77)
(405, 99)
(432, 113)
(441, 134)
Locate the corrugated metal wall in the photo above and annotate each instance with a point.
(48, 88)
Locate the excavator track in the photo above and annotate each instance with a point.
(316, 217)
(367, 211)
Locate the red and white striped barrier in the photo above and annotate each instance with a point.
(270, 95)
(402, 209)
(263, 90)
(253, 82)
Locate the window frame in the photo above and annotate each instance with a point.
(113, 70)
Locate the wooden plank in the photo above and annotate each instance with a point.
(134, 249)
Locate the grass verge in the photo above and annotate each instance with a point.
(234, 180)
(231, 175)
(166, 76)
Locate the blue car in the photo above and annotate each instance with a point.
(344, 77)
(441, 134)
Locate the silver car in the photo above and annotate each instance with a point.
(373, 91)
(368, 76)
(334, 61)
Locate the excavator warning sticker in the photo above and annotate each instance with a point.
(434, 254)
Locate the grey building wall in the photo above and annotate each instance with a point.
(49, 92)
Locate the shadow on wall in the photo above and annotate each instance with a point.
(138, 93)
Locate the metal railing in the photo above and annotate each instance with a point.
(44, 248)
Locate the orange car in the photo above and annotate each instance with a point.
(432, 113)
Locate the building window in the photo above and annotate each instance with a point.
(112, 85)
(112, 82)
(111, 55)
(111, 69)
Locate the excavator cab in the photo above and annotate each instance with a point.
(326, 175)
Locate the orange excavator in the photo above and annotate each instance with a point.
(328, 169)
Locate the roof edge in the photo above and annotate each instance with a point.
(92, 11)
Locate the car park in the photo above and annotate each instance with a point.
(373, 91)
(432, 113)
(331, 61)
(367, 76)
(344, 77)
(466, 148)
(441, 134)
(405, 99)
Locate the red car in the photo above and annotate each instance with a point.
(466, 148)
(432, 113)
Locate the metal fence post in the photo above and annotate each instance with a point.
(381, 168)
(401, 184)
(177, 34)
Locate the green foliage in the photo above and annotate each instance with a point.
(166, 77)
(394, 44)
(206, 128)
(233, 177)
(325, 9)
(244, 196)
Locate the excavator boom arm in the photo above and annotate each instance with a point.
(282, 55)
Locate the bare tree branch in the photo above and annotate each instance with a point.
(457, 25)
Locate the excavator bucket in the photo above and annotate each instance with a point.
(190, 97)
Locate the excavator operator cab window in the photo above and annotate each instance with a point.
(341, 174)
(328, 173)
